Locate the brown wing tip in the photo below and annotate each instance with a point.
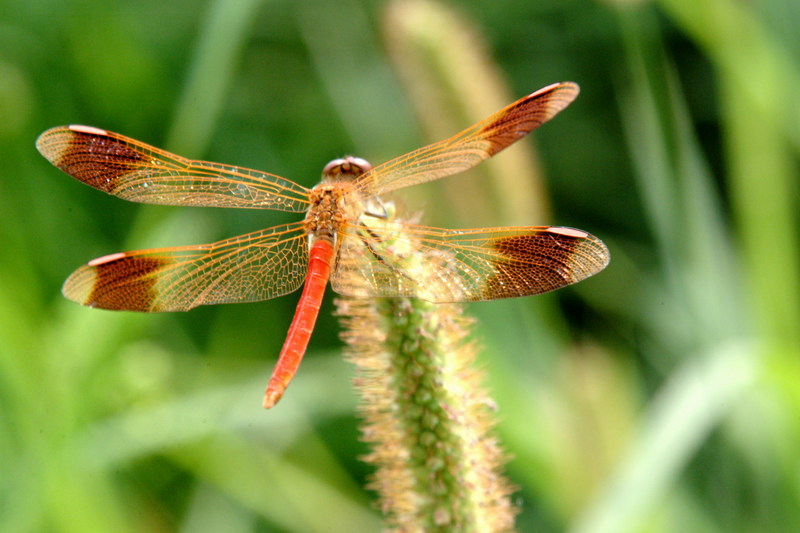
(545, 260)
(569, 86)
(561, 94)
(80, 284)
(586, 254)
(97, 157)
(566, 87)
(595, 251)
(117, 281)
(50, 150)
(55, 142)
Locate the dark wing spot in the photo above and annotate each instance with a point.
(124, 283)
(543, 262)
(98, 160)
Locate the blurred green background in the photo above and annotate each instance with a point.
(661, 395)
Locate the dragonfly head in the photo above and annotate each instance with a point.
(345, 169)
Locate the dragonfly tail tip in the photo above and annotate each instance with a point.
(271, 397)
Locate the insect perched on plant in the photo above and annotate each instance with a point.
(341, 238)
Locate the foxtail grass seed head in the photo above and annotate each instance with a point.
(425, 414)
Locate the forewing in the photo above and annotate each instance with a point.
(248, 268)
(138, 172)
(468, 148)
(393, 259)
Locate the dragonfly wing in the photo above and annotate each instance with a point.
(393, 259)
(138, 172)
(252, 267)
(468, 148)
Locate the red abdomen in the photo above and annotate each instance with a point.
(319, 271)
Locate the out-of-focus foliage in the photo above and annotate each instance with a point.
(661, 395)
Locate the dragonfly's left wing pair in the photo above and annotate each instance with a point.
(248, 268)
(137, 172)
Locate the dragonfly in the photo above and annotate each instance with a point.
(348, 236)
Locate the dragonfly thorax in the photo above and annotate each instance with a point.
(345, 169)
(332, 205)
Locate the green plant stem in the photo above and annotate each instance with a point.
(426, 417)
